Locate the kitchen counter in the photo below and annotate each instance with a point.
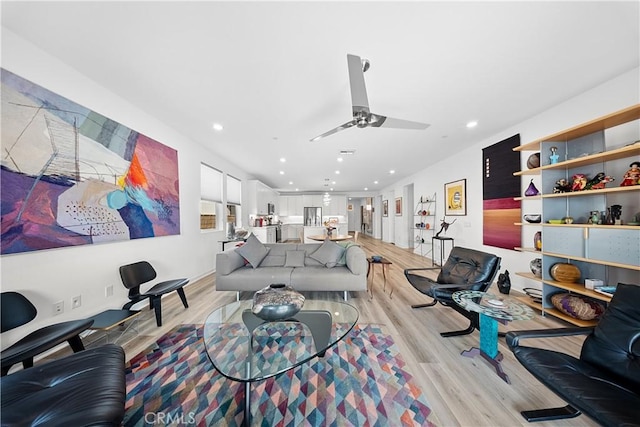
(266, 233)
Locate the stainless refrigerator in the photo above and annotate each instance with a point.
(313, 216)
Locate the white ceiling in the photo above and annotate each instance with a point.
(275, 73)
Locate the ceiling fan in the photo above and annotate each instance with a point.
(362, 116)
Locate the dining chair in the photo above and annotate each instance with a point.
(139, 273)
(17, 310)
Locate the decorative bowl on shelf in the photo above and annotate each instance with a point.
(556, 221)
(533, 161)
(534, 294)
(565, 272)
(277, 302)
(577, 306)
(533, 218)
(536, 267)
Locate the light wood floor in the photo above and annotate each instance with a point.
(460, 391)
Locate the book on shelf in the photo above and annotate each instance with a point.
(606, 290)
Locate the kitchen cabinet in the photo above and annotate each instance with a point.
(312, 201)
(265, 234)
(259, 196)
(290, 205)
(610, 253)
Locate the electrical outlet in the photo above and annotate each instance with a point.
(108, 291)
(58, 307)
(76, 301)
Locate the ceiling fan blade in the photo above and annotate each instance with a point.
(359, 99)
(347, 125)
(389, 122)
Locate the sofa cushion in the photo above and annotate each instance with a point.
(328, 254)
(253, 251)
(346, 245)
(294, 259)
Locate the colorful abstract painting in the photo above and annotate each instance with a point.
(500, 186)
(71, 176)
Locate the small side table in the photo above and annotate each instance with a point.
(385, 263)
(492, 309)
(433, 252)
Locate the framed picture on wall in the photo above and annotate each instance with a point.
(349, 207)
(385, 208)
(398, 206)
(455, 197)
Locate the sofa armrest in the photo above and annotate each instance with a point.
(513, 338)
(228, 261)
(356, 260)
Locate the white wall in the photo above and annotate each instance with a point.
(620, 92)
(60, 274)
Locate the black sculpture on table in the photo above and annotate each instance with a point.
(444, 226)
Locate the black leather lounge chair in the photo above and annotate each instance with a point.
(17, 310)
(84, 389)
(465, 269)
(604, 383)
(139, 273)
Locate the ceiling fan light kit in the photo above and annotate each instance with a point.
(362, 116)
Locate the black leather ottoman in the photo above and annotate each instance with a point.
(85, 388)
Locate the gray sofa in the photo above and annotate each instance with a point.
(349, 274)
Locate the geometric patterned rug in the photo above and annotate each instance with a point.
(361, 381)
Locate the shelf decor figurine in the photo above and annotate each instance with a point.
(632, 176)
(537, 241)
(579, 182)
(504, 282)
(616, 214)
(553, 158)
(598, 182)
(531, 190)
(562, 186)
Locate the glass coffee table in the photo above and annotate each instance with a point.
(245, 348)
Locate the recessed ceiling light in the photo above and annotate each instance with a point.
(282, 159)
(297, 189)
(337, 172)
(281, 172)
(217, 126)
(472, 124)
(290, 182)
(392, 171)
(331, 189)
(375, 182)
(340, 159)
(333, 182)
(366, 189)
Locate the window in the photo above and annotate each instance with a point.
(234, 201)
(210, 198)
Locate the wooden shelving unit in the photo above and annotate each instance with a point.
(581, 244)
